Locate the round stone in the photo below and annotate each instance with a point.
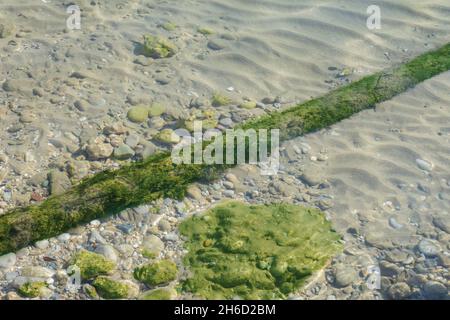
(138, 114)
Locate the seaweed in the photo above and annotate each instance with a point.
(255, 251)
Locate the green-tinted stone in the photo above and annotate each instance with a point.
(158, 47)
(138, 114)
(109, 288)
(159, 294)
(156, 273)
(92, 264)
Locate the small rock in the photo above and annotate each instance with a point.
(7, 261)
(43, 244)
(442, 223)
(6, 30)
(399, 291)
(216, 45)
(429, 248)
(345, 276)
(132, 140)
(194, 192)
(152, 244)
(37, 272)
(59, 182)
(95, 237)
(123, 152)
(424, 165)
(435, 290)
(107, 251)
(64, 237)
(97, 151)
(138, 114)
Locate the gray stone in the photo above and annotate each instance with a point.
(132, 140)
(107, 251)
(126, 228)
(37, 272)
(442, 223)
(123, 152)
(194, 192)
(95, 237)
(59, 182)
(345, 276)
(399, 291)
(424, 165)
(96, 151)
(310, 179)
(7, 261)
(435, 290)
(216, 45)
(64, 237)
(43, 244)
(429, 248)
(153, 244)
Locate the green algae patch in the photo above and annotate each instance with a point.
(158, 47)
(156, 273)
(255, 251)
(219, 100)
(92, 264)
(108, 288)
(159, 294)
(31, 289)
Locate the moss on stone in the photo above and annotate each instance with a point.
(138, 114)
(159, 294)
(169, 26)
(248, 105)
(219, 100)
(31, 289)
(158, 47)
(109, 288)
(205, 31)
(156, 109)
(92, 264)
(255, 251)
(156, 273)
(167, 136)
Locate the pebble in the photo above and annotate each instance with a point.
(107, 251)
(37, 272)
(7, 261)
(64, 237)
(216, 45)
(95, 237)
(345, 276)
(97, 151)
(123, 152)
(153, 244)
(59, 182)
(399, 291)
(424, 165)
(435, 290)
(429, 248)
(126, 228)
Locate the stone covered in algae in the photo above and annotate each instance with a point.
(138, 114)
(156, 273)
(32, 289)
(159, 294)
(92, 264)
(255, 252)
(158, 47)
(219, 100)
(109, 288)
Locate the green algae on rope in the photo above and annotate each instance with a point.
(110, 192)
